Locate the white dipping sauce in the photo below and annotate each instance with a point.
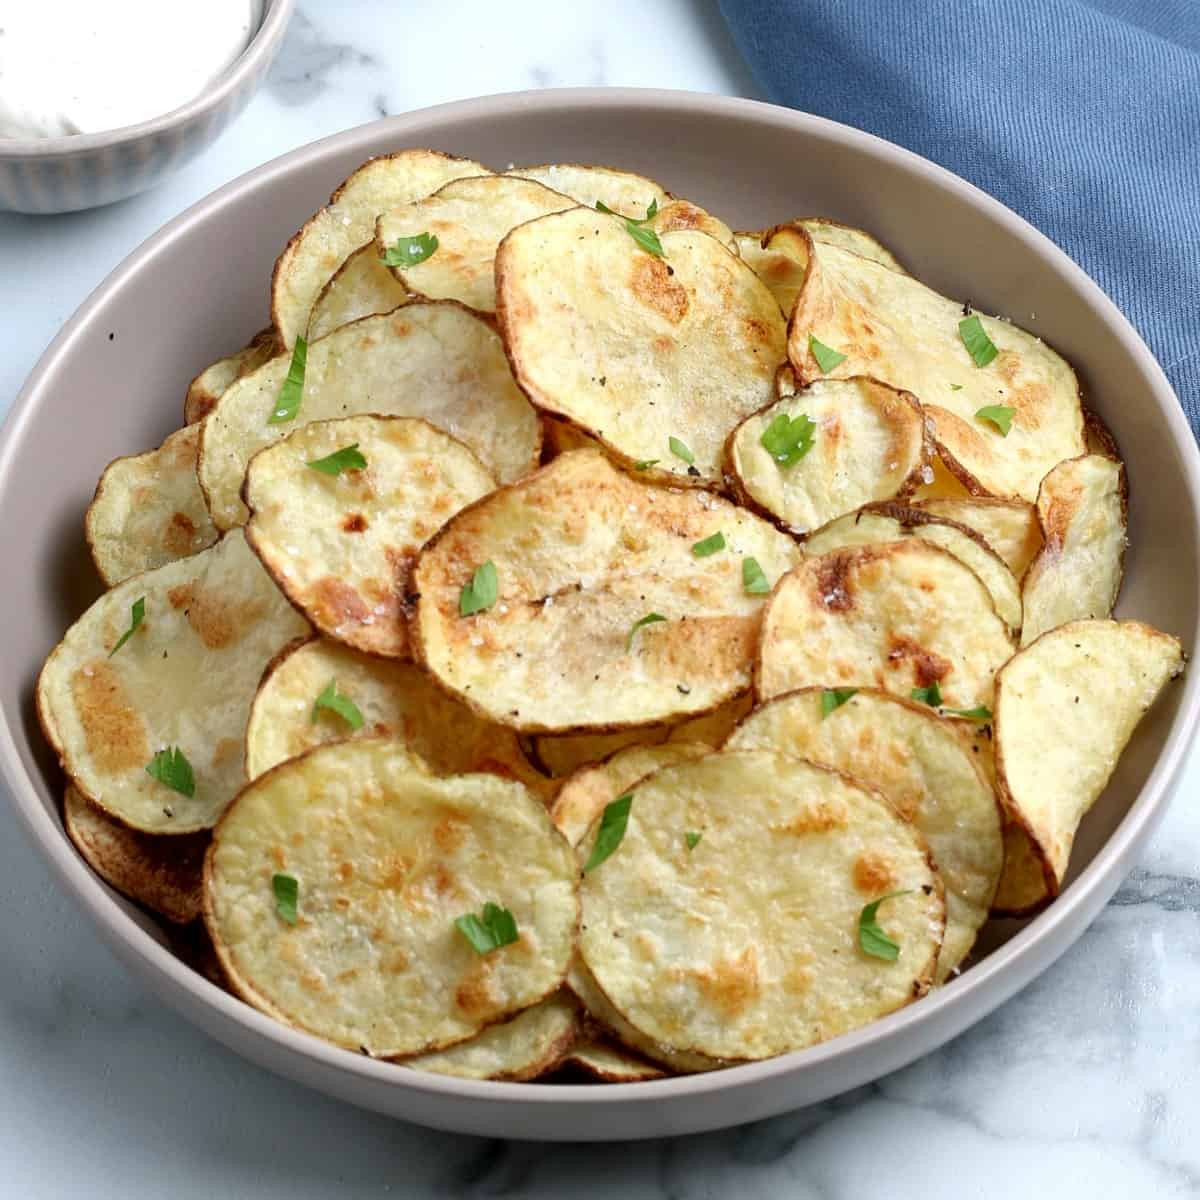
(85, 66)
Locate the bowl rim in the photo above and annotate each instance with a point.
(271, 27)
(985, 985)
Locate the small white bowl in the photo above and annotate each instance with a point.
(64, 174)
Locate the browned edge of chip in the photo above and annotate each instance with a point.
(332, 282)
(646, 1070)
(198, 401)
(277, 660)
(1098, 437)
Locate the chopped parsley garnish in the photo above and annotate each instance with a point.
(646, 238)
(709, 545)
(287, 897)
(692, 837)
(680, 450)
(871, 938)
(979, 346)
(648, 619)
(834, 698)
(754, 582)
(137, 614)
(646, 463)
(956, 387)
(345, 708)
(788, 439)
(931, 695)
(172, 769)
(288, 403)
(481, 592)
(349, 458)
(827, 357)
(496, 927)
(408, 251)
(611, 831)
(982, 713)
(1000, 415)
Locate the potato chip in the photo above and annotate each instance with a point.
(940, 483)
(469, 217)
(532, 1043)
(1010, 527)
(781, 272)
(159, 871)
(1077, 574)
(436, 360)
(330, 236)
(182, 682)
(610, 1063)
(712, 728)
(748, 943)
(1065, 708)
(622, 191)
(396, 700)
(560, 437)
(866, 442)
(897, 522)
(563, 754)
(361, 287)
(895, 328)
(922, 766)
(1098, 437)
(658, 358)
(386, 859)
(683, 214)
(1024, 886)
(897, 616)
(148, 510)
(341, 546)
(846, 237)
(212, 383)
(616, 603)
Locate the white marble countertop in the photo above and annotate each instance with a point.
(1085, 1085)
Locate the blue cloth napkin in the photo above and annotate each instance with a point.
(1082, 115)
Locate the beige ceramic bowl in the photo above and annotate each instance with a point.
(113, 380)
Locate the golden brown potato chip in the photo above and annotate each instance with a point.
(362, 943)
(683, 214)
(712, 728)
(1065, 708)
(1010, 527)
(868, 442)
(658, 358)
(361, 287)
(622, 191)
(159, 871)
(1024, 887)
(435, 360)
(899, 616)
(211, 384)
(330, 236)
(746, 943)
(610, 1063)
(560, 437)
(940, 483)
(782, 273)
(563, 754)
(1077, 574)
(611, 602)
(342, 546)
(469, 218)
(149, 510)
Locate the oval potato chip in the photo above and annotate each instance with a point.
(148, 510)
(184, 679)
(637, 349)
(747, 946)
(386, 859)
(1010, 527)
(361, 287)
(212, 383)
(610, 1063)
(895, 615)
(436, 361)
(683, 214)
(604, 614)
(622, 191)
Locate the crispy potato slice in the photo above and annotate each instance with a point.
(148, 510)
(869, 444)
(560, 437)
(683, 214)
(1098, 436)
(1024, 884)
(563, 754)
(583, 553)
(923, 767)
(347, 222)
(531, 1044)
(396, 700)
(897, 522)
(712, 728)
(747, 945)
(895, 615)
(622, 191)
(184, 679)
(162, 873)
(610, 1063)
(634, 348)
(387, 857)
(361, 287)
(846, 237)
(1081, 510)
(895, 328)
(940, 483)
(435, 360)
(1061, 724)
(469, 217)
(1010, 527)
(341, 547)
(212, 383)
(781, 272)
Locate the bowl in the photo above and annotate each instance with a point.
(64, 174)
(112, 382)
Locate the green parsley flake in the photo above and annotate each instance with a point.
(1000, 415)
(871, 937)
(408, 251)
(349, 458)
(931, 695)
(646, 463)
(788, 439)
(172, 769)
(611, 831)
(827, 357)
(137, 614)
(648, 619)
(754, 582)
(287, 897)
(496, 927)
(692, 837)
(709, 545)
(646, 238)
(979, 346)
(834, 698)
(956, 387)
(481, 592)
(288, 403)
(680, 450)
(336, 703)
(982, 713)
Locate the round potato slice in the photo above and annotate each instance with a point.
(347, 222)
(469, 217)
(747, 945)
(898, 616)
(341, 546)
(1061, 724)
(867, 442)
(781, 272)
(212, 383)
(622, 191)
(149, 510)
(616, 603)
(163, 873)
(610, 1063)
(361, 287)
(436, 361)
(386, 858)
(1010, 527)
(181, 685)
(396, 700)
(533, 1043)
(658, 358)
(922, 766)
